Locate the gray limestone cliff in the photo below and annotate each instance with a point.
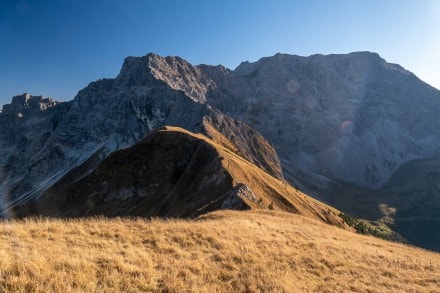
(351, 117)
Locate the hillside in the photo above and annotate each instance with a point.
(225, 250)
(177, 173)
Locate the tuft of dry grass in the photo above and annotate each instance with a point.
(221, 251)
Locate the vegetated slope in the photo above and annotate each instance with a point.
(176, 173)
(221, 251)
(409, 202)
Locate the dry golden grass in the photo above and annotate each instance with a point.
(222, 251)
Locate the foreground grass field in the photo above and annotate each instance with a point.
(222, 251)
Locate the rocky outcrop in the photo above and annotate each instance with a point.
(26, 105)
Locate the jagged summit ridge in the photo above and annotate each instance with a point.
(174, 71)
(27, 103)
(327, 115)
(331, 114)
(320, 94)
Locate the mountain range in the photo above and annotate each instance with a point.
(352, 130)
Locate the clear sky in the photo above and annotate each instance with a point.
(55, 48)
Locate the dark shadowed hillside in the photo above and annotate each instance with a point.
(175, 173)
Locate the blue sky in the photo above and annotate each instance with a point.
(55, 48)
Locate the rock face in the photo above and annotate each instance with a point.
(350, 117)
(27, 124)
(41, 140)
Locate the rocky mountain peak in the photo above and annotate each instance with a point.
(27, 103)
(134, 70)
(181, 75)
(175, 72)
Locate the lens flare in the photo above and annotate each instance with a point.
(346, 127)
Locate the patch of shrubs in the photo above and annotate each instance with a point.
(363, 227)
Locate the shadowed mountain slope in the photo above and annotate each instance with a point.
(176, 173)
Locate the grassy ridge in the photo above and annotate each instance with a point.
(223, 251)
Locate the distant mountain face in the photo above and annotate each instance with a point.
(338, 122)
(349, 117)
